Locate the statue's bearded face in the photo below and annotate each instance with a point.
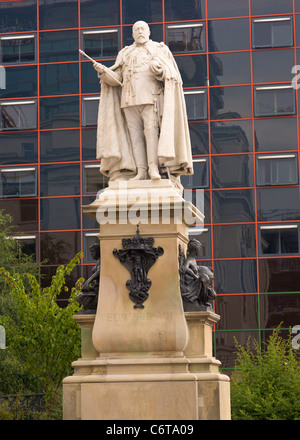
(141, 32)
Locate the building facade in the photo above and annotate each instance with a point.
(239, 63)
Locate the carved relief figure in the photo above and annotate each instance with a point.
(142, 124)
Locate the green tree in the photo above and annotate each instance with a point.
(45, 338)
(266, 384)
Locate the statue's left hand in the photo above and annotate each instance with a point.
(156, 67)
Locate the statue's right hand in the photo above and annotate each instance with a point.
(98, 67)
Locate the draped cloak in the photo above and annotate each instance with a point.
(113, 140)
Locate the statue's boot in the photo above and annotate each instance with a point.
(139, 153)
(151, 135)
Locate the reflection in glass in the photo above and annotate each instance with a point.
(196, 104)
(59, 112)
(279, 309)
(18, 115)
(235, 276)
(230, 8)
(93, 180)
(59, 79)
(176, 10)
(186, 37)
(278, 204)
(193, 70)
(272, 65)
(60, 180)
(234, 241)
(69, 209)
(231, 136)
(200, 177)
(229, 68)
(230, 102)
(233, 206)
(89, 139)
(17, 49)
(259, 7)
(60, 145)
(24, 213)
(272, 32)
(99, 13)
(148, 10)
(276, 239)
(58, 15)
(228, 35)
(10, 14)
(58, 46)
(20, 81)
(237, 311)
(232, 171)
(20, 148)
(101, 42)
(199, 138)
(59, 247)
(279, 275)
(276, 134)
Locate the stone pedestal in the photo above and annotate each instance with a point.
(213, 388)
(141, 370)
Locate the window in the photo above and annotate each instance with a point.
(201, 234)
(196, 104)
(18, 115)
(279, 239)
(279, 169)
(200, 177)
(93, 180)
(90, 238)
(18, 182)
(17, 49)
(272, 32)
(274, 100)
(186, 37)
(101, 43)
(90, 106)
(27, 242)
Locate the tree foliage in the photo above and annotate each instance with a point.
(266, 384)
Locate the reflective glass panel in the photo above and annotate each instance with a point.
(234, 241)
(279, 275)
(193, 70)
(196, 104)
(19, 148)
(18, 16)
(279, 309)
(59, 180)
(199, 138)
(228, 8)
(19, 81)
(229, 68)
(101, 42)
(278, 204)
(28, 244)
(235, 276)
(24, 213)
(60, 145)
(59, 247)
(230, 102)
(272, 32)
(274, 100)
(17, 49)
(232, 171)
(228, 35)
(277, 169)
(226, 345)
(59, 79)
(58, 15)
(186, 37)
(232, 206)
(237, 311)
(89, 139)
(69, 209)
(176, 10)
(60, 112)
(259, 7)
(279, 240)
(58, 46)
(90, 105)
(18, 115)
(200, 177)
(278, 134)
(272, 65)
(148, 10)
(93, 180)
(231, 136)
(18, 182)
(99, 12)
(89, 78)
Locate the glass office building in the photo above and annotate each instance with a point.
(238, 60)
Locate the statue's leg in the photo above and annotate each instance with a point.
(135, 127)
(151, 132)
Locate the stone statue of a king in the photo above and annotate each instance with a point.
(142, 124)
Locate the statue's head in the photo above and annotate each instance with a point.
(140, 32)
(194, 246)
(95, 251)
